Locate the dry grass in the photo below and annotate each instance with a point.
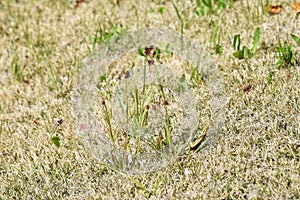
(257, 156)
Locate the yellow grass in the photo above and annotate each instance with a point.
(42, 46)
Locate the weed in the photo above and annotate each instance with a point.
(245, 52)
(142, 116)
(218, 49)
(140, 104)
(102, 35)
(162, 9)
(102, 78)
(206, 7)
(296, 39)
(56, 140)
(144, 100)
(215, 39)
(286, 55)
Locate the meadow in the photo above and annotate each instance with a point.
(253, 45)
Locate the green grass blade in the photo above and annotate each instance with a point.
(180, 19)
(141, 51)
(236, 42)
(296, 39)
(207, 3)
(255, 40)
(246, 52)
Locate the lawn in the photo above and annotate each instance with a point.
(254, 52)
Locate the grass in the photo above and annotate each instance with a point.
(287, 57)
(141, 105)
(42, 46)
(245, 51)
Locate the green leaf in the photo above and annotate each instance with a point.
(218, 49)
(220, 7)
(141, 51)
(182, 78)
(207, 3)
(296, 39)
(280, 63)
(200, 11)
(197, 11)
(118, 30)
(238, 54)
(246, 52)
(198, 3)
(162, 9)
(255, 40)
(56, 140)
(236, 42)
(157, 53)
(102, 78)
(206, 10)
(193, 74)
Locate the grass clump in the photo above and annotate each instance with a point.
(286, 54)
(206, 7)
(143, 113)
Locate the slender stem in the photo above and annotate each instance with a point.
(107, 119)
(144, 83)
(167, 120)
(136, 105)
(181, 22)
